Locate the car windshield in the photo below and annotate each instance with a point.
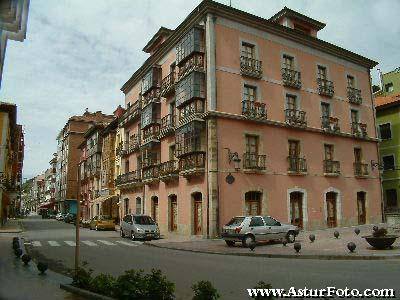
(144, 220)
(235, 221)
(105, 217)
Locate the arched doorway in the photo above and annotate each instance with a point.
(361, 208)
(197, 214)
(296, 209)
(126, 206)
(154, 208)
(331, 209)
(138, 205)
(252, 201)
(173, 213)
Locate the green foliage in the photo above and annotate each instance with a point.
(103, 284)
(204, 290)
(82, 279)
(380, 232)
(130, 285)
(158, 287)
(263, 285)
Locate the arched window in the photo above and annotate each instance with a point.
(138, 205)
(253, 203)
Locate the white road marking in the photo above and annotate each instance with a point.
(70, 243)
(54, 243)
(127, 243)
(36, 244)
(106, 243)
(89, 243)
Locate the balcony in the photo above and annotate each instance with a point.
(131, 178)
(192, 164)
(331, 167)
(360, 169)
(131, 114)
(330, 124)
(325, 87)
(153, 96)
(150, 174)
(254, 110)
(167, 125)
(297, 165)
(359, 129)
(128, 147)
(250, 67)
(150, 160)
(194, 63)
(253, 161)
(168, 85)
(291, 78)
(354, 95)
(150, 134)
(194, 111)
(295, 118)
(169, 170)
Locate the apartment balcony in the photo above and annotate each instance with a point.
(325, 87)
(291, 78)
(250, 67)
(153, 96)
(150, 160)
(331, 167)
(131, 114)
(169, 170)
(359, 129)
(360, 169)
(297, 165)
(330, 124)
(150, 134)
(295, 118)
(167, 125)
(254, 162)
(130, 179)
(194, 111)
(97, 148)
(194, 63)
(354, 95)
(254, 110)
(192, 164)
(150, 174)
(168, 85)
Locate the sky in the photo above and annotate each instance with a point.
(78, 54)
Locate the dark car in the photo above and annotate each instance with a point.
(70, 218)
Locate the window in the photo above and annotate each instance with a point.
(151, 79)
(270, 221)
(301, 28)
(288, 62)
(357, 155)
(253, 203)
(389, 87)
(322, 74)
(354, 116)
(350, 81)
(171, 153)
(147, 115)
(192, 86)
(126, 166)
(188, 138)
(291, 102)
(257, 221)
(325, 110)
(126, 206)
(252, 144)
(192, 42)
(385, 131)
(248, 50)
(249, 93)
(391, 198)
(388, 162)
(328, 152)
(138, 206)
(294, 148)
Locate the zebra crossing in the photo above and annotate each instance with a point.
(95, 243)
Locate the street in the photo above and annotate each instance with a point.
(106, 252)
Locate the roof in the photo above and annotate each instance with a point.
(287, 12)
(382, 102)
(162, 32)
(218, 9)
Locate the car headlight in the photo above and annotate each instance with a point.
(140, 230)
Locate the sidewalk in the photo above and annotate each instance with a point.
(19, 282)
(325, 246)
(12, 226)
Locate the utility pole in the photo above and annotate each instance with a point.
(78, 218)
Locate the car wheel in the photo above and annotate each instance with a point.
(121, 233)
(132, 236)
(290, 237)
(230, 243)
(247, 240)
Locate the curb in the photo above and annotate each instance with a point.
(84, 293)
(298, 256)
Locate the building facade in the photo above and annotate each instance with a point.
(233, 114)
(390, 83)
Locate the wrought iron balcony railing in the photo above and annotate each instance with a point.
(130, 177)
(354, 95)
(153, 96)
(168, 84)
(297, 165)
(360, 169)
(359, 129)
(168, 169)
(331, 167)
(325, 87)
(194, 110)
(150, 160)
(192, 163)
(294, 117)
(132, 113)
(250, 67)
(150, 174)
(291, 78)
(253, 161)
(330, 124)
(167, 125)
(194, 63)
(254, 109)
(150, 133)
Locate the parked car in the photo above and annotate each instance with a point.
(51, 215)
(70, 218)
(257, 228)
(139, 227)
(60, 216)
(85, 223)
(102, 222)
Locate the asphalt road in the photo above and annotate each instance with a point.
(231, 275)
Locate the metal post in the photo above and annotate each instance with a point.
(78, 217)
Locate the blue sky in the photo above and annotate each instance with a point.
(78, 54)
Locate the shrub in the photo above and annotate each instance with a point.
(82, 278)
(158, 287)
(262, 285)
(103, 284)
(379, 232)
(204, 290)
(130, 285)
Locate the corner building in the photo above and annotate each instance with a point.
(233, 114)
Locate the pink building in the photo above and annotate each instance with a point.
(233, 114)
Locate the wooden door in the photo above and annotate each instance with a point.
(362, 213)
(174, 215)
(197, 217)
(154, 210)
(331, 210)
(296, 209)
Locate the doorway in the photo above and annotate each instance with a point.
(362, 212)
(331, 209)
(197, 214)
(154, 208)
(173, 215)
(296, 209)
